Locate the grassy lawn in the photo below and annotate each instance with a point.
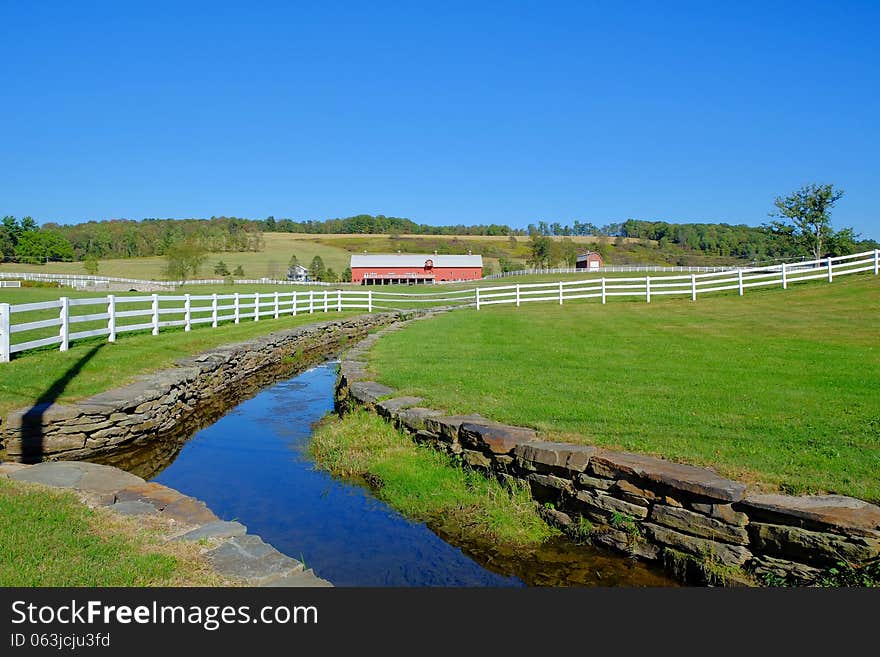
(99, 365)
(420, 484)
(781, 388)
(55, 540)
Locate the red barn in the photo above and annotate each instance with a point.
(589, 260)
(408, 268)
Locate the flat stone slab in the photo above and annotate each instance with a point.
(556, 455)
(190, 511)
(215, 529)
(833, 512)
(306, 578)
(415, 419)
(156, 494)
(249, 558)
(80, 475)
(369, 392)
(8, 467)
(134, 508)
(388, 407)
(494, 437)
(447, 426)
(702, 482)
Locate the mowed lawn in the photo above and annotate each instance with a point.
(781, 388)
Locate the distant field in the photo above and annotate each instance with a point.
(336, 251)
(780, 387)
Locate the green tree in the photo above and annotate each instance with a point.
(90, 264)
(291, 266)
(183, 259)
(809, 211)
(346, 275)
(317, 270)
(506, 264)
(220, 269)
(238, 271)
(540, 251)
(329, 276)
(40, 246)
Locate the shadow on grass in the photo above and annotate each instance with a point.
(32, 422)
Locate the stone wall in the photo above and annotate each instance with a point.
(704, 528)
(175, 401)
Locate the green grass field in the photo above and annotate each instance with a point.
(49, 538)
(781, 388)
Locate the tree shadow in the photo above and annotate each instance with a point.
(32, 431)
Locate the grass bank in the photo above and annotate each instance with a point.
(94, 365)
(419, 482)
(52, 539)
(779, 388)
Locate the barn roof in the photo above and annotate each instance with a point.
(415, 260)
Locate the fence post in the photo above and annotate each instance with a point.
(214, 310)
(256, 306)
(517, 295)
(111, 318)
(4, 332)
(784, 278)
(739, 276)
(187, 313)
(339, 301)
(603, 289)
(155, 308)
(311, 301)
(294, 303)
(830, 270)
(369, 301)
(876, 262)
(237, 308)
(477, 290)
(647, 289)
(560, 293)
(325, 300)
(276, 305)
(693, 287)
(64, 315)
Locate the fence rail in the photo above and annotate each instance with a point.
(111, 315)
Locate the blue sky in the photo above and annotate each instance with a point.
(442, 112)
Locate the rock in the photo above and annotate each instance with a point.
(133, 508)
(215, 529)
(250, 559)
(720, 553)
(701, 482)
(606, 506)
(631, 493)
(549, 481)
(415, 419)
(813, 548)
(622, 541)
(35, 446)
(698, 524)
(475, 459)
(189, 511)
(555, 517)
(446, 426)
(559, 456)
(79, 475)
(388, 407)
(493, 437)
(595, 483)
(817, 512)
(8, 467)
(722, 512)
(369, 392)
(305, 578)
(783, 569)
(156, 494)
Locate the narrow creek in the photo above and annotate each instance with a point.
(252, 465)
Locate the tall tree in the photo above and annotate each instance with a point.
(809, 210)
(317, 269)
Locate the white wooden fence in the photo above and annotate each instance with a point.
(154, 312)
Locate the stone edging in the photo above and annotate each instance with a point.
(234, 554)
(704, 528)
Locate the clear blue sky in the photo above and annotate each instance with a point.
(442, 112)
